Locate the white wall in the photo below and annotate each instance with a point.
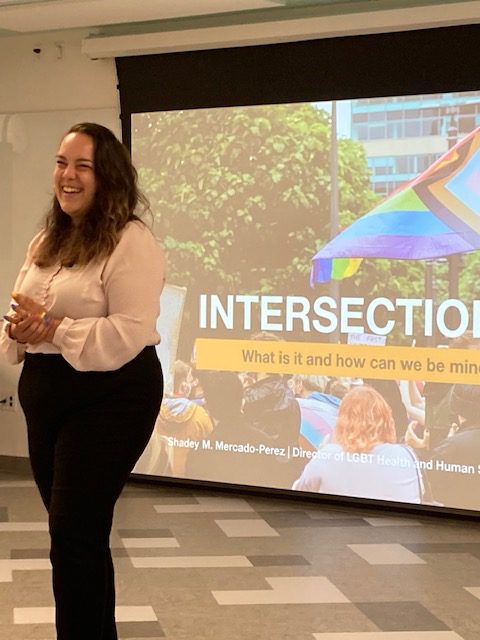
(41, 96)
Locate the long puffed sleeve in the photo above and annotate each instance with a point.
(13, 351)
(132, 280)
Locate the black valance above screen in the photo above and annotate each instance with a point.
(387, 64)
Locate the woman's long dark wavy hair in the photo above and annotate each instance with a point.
(116, 199)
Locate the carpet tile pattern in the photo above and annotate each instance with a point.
(200, 564)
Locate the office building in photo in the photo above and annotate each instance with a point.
(405, 135)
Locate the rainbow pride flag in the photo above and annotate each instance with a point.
(434, 215)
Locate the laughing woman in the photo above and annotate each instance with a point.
(83, 322)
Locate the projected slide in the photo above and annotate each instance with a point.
(327, 255)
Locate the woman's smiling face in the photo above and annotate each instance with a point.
(74, 176)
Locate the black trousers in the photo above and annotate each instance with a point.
(86, 430)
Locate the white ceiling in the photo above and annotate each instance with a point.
(41, 15)
(32, 16)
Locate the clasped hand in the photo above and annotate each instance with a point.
(414, 440)
(30, 322)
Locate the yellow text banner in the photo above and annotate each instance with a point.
(358, 361)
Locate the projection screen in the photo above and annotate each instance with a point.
(321, 320)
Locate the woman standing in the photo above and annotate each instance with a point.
(83, 321)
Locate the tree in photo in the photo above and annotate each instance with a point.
(241, 196)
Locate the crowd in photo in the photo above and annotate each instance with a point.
(392, 440)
